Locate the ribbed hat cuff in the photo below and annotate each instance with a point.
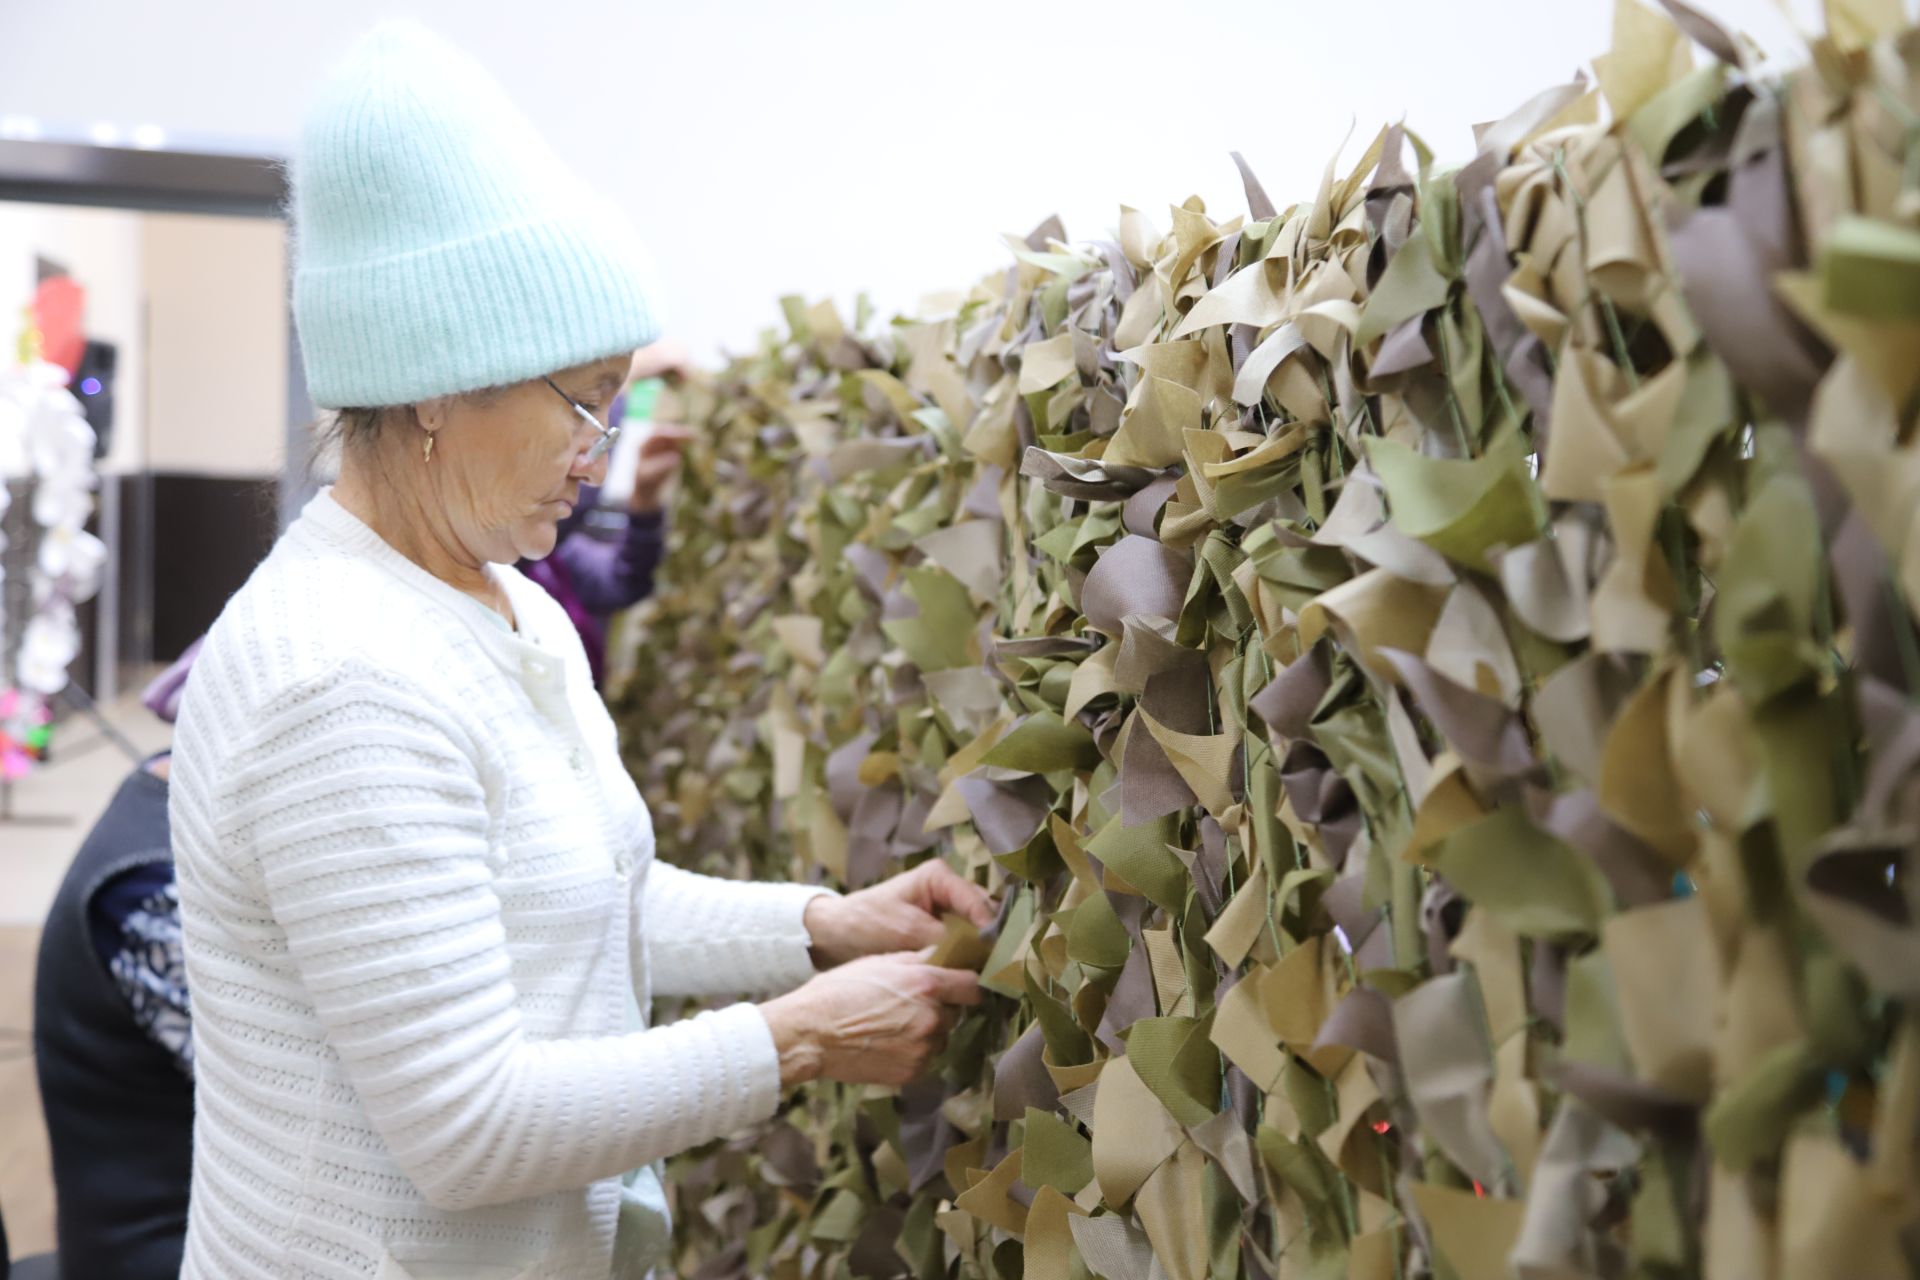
(496, 309)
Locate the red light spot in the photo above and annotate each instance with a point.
(1479, 1190)
(1381, 1126)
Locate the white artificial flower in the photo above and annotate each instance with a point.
(45, 438)
(47, 648)
(13, 431)
(59, 440)
(57, 506)
(74, 559)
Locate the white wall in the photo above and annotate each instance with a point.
(217, 352)
(770, 147)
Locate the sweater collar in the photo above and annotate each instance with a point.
(526, 653)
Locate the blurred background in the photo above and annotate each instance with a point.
(824, 149)
(763, 149)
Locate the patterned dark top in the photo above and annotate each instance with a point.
(135, 922)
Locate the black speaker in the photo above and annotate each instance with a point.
(92, 386)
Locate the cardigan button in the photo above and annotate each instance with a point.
(577, 762)
(623, 864)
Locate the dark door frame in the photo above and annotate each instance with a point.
(126, 178)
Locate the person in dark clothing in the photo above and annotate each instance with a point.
(604, 559)
(113, 1043)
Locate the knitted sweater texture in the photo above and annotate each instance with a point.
(419, 898)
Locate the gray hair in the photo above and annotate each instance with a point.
(361, 427)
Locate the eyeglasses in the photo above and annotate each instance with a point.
(605, 435)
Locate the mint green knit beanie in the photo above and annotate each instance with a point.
(440, 245)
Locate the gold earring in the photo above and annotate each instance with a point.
(428, 455)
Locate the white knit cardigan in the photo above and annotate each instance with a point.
(419, 897)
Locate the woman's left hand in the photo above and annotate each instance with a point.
(901, 914)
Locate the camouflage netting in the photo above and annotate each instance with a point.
(1430, 673)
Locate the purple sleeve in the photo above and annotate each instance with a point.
(609, 576)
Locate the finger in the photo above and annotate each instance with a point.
(928, 930)
(957, 986)
(657, 447)
(957, 893)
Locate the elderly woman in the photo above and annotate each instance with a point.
(421, 911)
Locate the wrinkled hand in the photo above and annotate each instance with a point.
(901, 914)
(876, 1020)
(657, 465)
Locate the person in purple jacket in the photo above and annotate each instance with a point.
(601, 565)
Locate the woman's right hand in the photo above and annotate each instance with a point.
(876, 1020)
(659, 462)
